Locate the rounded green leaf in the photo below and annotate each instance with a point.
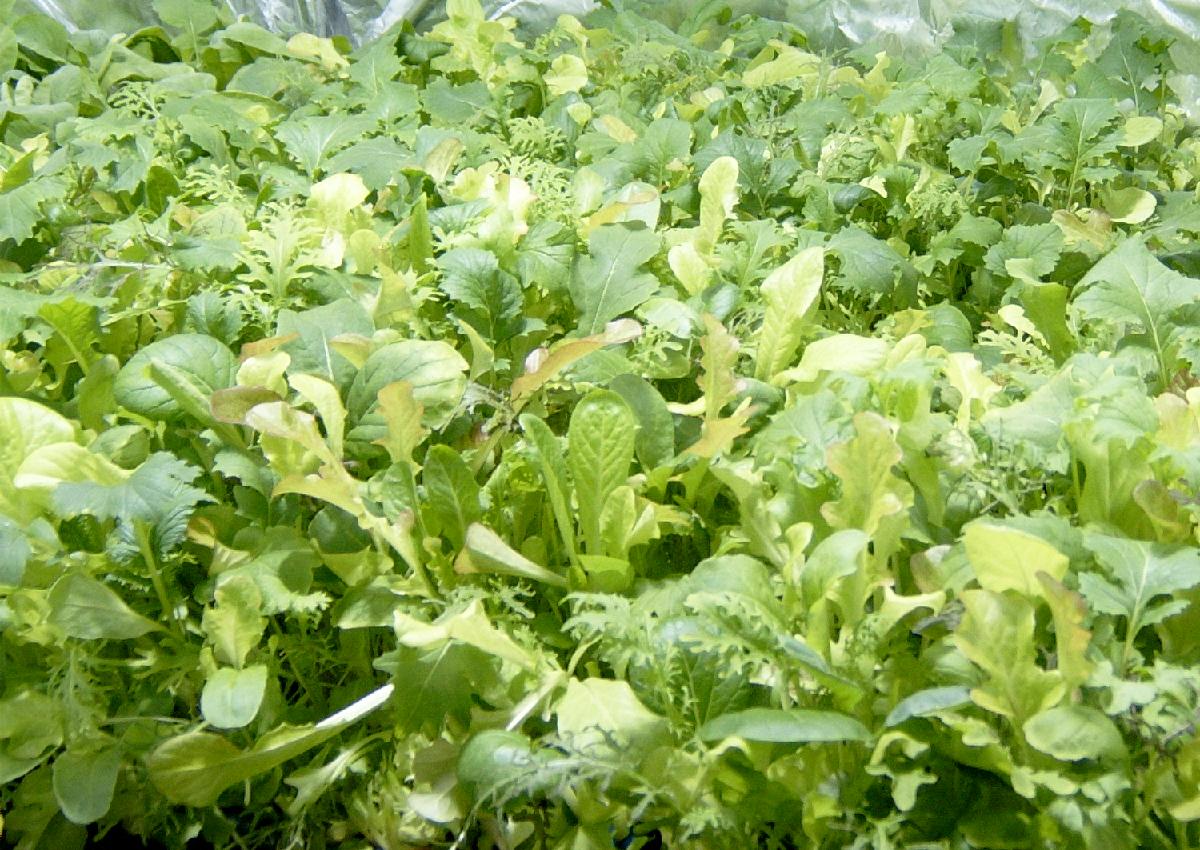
(25, 426)
(492, 756)
(1075, 733)
(231, 697)
(205, 363)
(84, 783)
(436, 372)
(87, 609)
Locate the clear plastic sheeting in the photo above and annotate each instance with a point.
(923, 25)
(359, 20)
(902, 26)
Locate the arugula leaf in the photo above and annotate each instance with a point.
(607, 282)
(1136, 573)
(1130, 286)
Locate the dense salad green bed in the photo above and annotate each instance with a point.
(642, 435)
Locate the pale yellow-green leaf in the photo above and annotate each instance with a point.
(567, 74)
(635, 201)
(25, 427)
(788, 293)
(1094, 230)
(486, 552)
(265, 370)
(316, 49)
(580, 112)
(470, 626)
(717, 435)
(323, 396)
(856, 355)
(1071, 639)
(789, 63)
(48, 466)
(1139, 130)
(1006, 558)
(543, 366)
(997, 635)
(1014, 316)
(975, 389)
(871, 492)
(402, 413)
(605, 714)
(339, 194)
(285, 422)
(195, 767)
(234, 625)
(718, 379)
(1130, 205)
(440, 161)
(718, 197)
(616, 129)
(363, 249)
(690, 268)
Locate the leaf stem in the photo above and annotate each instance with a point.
(156, 578)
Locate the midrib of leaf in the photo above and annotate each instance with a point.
(1152, 329)
(600, 483)
(432, 669)
(1135, 615)
(603, 295)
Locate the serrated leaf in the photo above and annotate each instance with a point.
(871, 492)
(718, 379)
(312, 139)
(1136, 573)
(608, 282)
(1130, 286)
(436, 372)
(554, 473)
(402, 413)
(997, 634)
(234, 625)
(21, 207)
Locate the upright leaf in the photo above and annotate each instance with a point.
(997, 634)
(451, 493)
(788, 294)
(1130, 287)
(608, 282)
(1136, 574)
(600, 443)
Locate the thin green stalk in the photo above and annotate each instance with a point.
(156, 578)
